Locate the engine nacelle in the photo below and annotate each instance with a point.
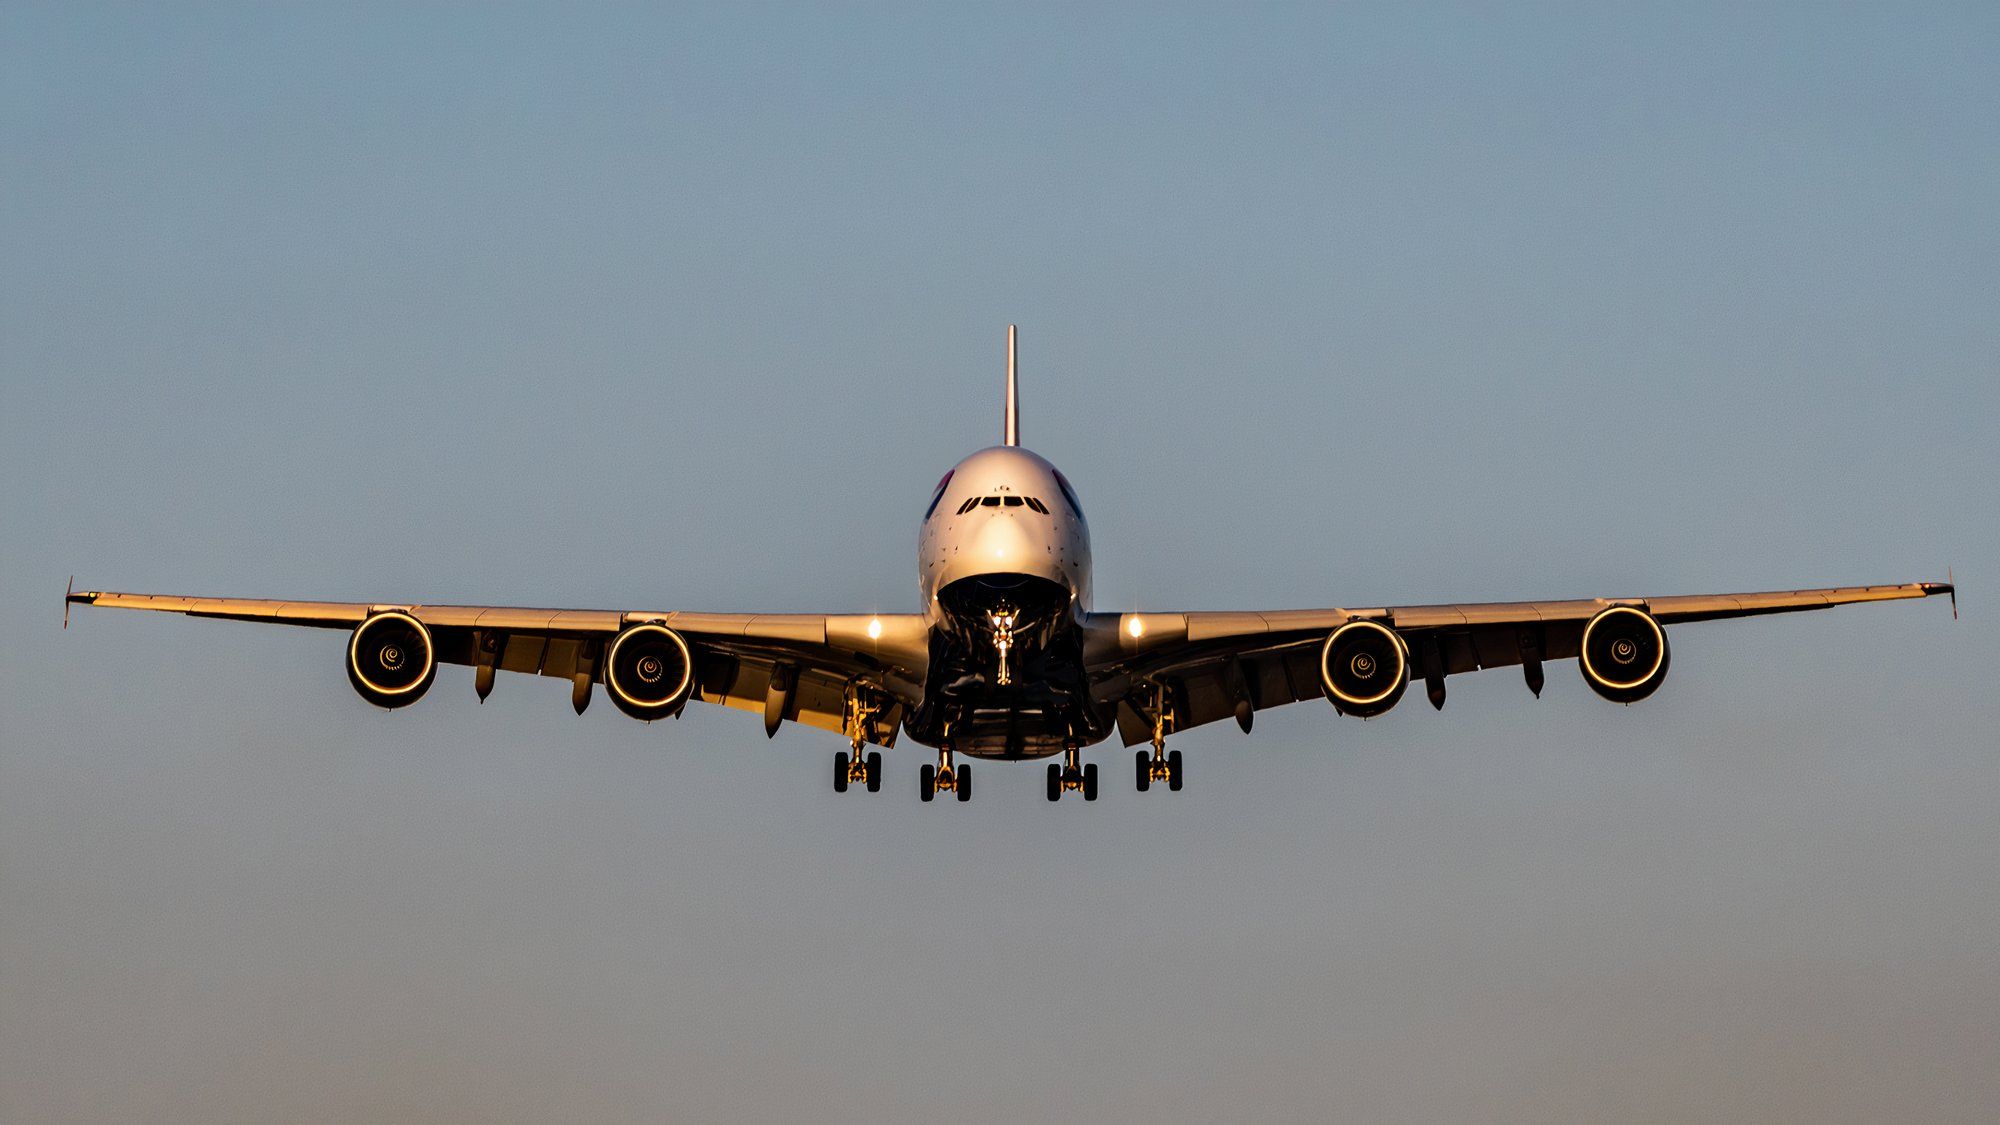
(1364, 668)
(391, 660)
(649, 671)
(1623, 654)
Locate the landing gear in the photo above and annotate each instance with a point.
(1151, 766)
(1072, 776)
(945, 778)
(1158, 765)
(857, 768)
(850, 766)
(1002, 623)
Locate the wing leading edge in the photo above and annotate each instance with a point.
(1211, 663)
(789, 667)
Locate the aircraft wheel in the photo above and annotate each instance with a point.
(1143, 763)
(927, 781)
(875, 772)
(840, 772)
(1090, 782)
(1055, 782)
(1174, 770)
(964, 776)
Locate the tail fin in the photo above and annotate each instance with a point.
(1010, 428)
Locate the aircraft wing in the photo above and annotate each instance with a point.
(742, 660)
(1211, 663)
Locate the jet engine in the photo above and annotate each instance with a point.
(391, 660)
(649, 670)
(1623, 654)
(1363, 668)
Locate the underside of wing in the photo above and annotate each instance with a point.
(1200, 667)
(838, 672)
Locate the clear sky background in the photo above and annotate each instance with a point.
(679, 308)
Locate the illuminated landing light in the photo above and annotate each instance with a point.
(874, 628)
(1135, 626)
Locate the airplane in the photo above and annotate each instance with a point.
(1007, 660)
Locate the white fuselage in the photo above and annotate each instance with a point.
(1004, 511)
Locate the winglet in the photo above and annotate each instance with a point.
(1951, 584)
(67, 591)
(1010, 428)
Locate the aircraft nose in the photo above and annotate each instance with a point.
(1002, 541)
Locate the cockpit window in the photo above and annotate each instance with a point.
(1005, 500)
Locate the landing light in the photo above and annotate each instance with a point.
(874, 628)
(1135, 626)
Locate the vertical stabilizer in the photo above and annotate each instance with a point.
(1010, 428)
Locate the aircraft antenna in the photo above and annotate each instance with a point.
(1010, 430)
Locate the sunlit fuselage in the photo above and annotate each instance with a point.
(1004, 560)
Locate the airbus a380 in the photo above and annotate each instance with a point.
(1007, 660)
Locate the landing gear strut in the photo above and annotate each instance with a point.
(1158, 765)
(851, 767)
(945, 778)
(1002, 622)
(1072, 777)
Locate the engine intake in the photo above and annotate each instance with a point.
(1624, 654)
(649, 670)
(391, 660)
(1364, 668)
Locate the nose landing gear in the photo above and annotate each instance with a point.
(1071, 777)
(945, 778)
(1002, 623)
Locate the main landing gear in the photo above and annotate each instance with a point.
(857, 769)
(945, 778)
(850, 766)
(1158, 765)
(1071, 777)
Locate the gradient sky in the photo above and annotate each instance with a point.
(686, 308)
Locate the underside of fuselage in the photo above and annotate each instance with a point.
(1006, 676)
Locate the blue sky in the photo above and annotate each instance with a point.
(689, 308)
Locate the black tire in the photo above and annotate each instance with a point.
(964, 776)
(1144, 763)
(1055, 782)
(1174, 770)
(875, 771)
(927, 781)
(1090, 782)
(840, 772)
